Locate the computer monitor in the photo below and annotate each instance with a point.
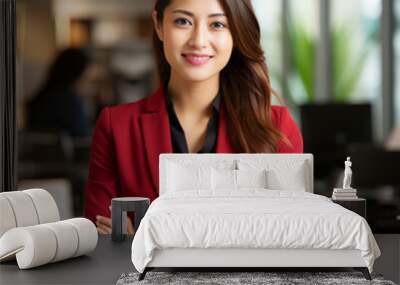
(328, 129)
(374, 167)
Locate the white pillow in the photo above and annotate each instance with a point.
(181, 178)
(228, 179)
(251, 178)
(291, 179)
(224, 179)
(281, 174)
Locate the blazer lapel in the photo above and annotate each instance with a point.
(156, 133)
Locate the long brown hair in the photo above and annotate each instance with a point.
(244, 82)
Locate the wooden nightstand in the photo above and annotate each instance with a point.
(358, 206)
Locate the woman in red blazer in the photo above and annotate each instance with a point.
(206, 50)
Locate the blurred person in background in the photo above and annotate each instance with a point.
(57, 106)
(214, 97)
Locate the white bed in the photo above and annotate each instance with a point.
(247, 210)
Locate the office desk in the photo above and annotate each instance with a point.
(104, 265)
(110, 259)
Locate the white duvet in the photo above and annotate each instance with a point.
(252, 218)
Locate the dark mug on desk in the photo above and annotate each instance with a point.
(119, 208)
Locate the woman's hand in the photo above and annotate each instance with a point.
(104, 225)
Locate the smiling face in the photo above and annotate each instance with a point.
(196, 38)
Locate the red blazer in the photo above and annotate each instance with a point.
(128, 140)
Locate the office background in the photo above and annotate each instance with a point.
(334, 63)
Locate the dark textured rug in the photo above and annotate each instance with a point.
(273, 278)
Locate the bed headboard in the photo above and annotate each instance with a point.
(233, 161)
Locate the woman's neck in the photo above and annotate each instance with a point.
(193, 97)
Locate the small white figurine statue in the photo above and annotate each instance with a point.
(347, 174)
